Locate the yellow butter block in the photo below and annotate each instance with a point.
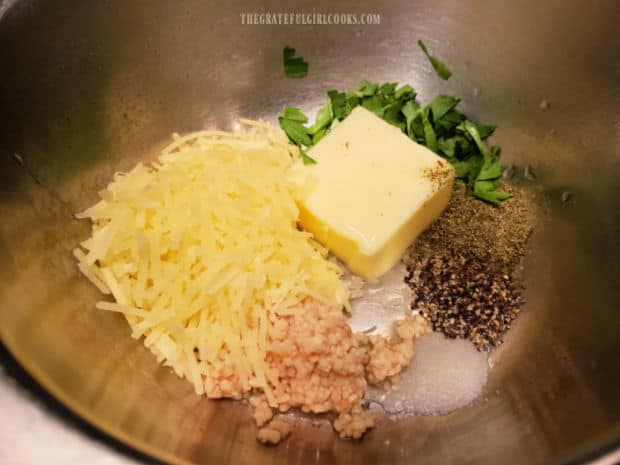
(372, 192)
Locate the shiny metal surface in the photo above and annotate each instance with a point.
(89, 88)
(34, 429)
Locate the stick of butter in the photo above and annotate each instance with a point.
(372, 192)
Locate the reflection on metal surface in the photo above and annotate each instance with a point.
(88, 88)
(6, 5)
(30, 434)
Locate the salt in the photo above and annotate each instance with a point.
(445, 374)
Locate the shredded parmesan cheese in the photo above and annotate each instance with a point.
(199, 248)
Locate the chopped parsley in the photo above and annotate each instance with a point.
(307, 159)
(442, 70)
(294, 114)
(291, 123)
(294, 66)
(296, 132)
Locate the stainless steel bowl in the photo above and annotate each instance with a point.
(89, 88)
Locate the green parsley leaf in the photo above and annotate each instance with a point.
(392, 113)
(373, 103)
(293, 66)
(319, 135)
(441, 105)
(494, 197)
(417, 129)
(475, 162)
(307, 159)
(323, 118)
(352, 102)
(464, 148)
(461, 168)
(448, 148)
(453, 117)
(491, 169)
(405, 91)
(340, 108)
(486, 190)
(366, 89)
(288, 56)
(388, 88)
(486, 186)
(410, 110)
(485, 131)
(288, 53)
(429, 133)
(295, 114)
(296, 132)
(442, 70)
(448, 122)
(471, 129)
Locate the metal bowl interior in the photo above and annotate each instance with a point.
(90, 88)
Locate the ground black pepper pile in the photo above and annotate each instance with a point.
(464, 271)
(463, 299)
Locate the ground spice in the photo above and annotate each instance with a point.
(463, 299)
(464, 271)
(496, 236)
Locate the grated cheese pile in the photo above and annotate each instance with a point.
(198, 248)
